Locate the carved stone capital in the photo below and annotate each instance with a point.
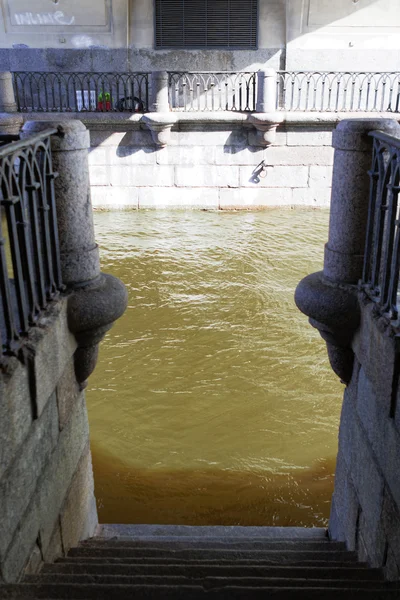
(160, 125)
(266, 124)
(334, 310)
(92, 310)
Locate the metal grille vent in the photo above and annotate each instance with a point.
(206, 23)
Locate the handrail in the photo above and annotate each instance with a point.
(30, 273)
(338, 91)
(380, 279)
(81, 91)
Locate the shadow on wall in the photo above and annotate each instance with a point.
(129, 494)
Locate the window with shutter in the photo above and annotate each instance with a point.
(206, 23)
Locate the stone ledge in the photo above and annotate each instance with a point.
(134, 120)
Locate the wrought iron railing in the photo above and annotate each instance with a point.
(338, 91)
(380, 278)
(210, 91)
(30, 275)
(76, 92)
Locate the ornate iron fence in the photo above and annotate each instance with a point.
(209, 91)
(76, 92)
(338, 91)
(30, 275)
(380, 278)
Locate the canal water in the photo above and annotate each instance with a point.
(213, 401)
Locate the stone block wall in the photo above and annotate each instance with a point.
(46, 482)
(210, 166)
(366, 502)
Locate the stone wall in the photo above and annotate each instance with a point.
(46, 482)
(363, 349)
(210, 166)
(366, 503)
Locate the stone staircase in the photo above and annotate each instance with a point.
(178, 562)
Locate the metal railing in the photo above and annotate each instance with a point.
(338, 91)
(76, 92)
(30, 274)
(380, 278)
(210, 91)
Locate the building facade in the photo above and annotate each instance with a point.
(147, 35)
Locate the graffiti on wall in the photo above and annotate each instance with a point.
(56, 18)
(58, 13)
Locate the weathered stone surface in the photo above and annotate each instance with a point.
(390, 520)
(317, 197)
(234, 155)
(299, 155)
(54, 346)
(53, 487)
(373, 409)
(116, 59)
(54, 549)
(200, 176)
(136, 137)
(175, 197)
(207, 137)
(254, 198)
(391, 569)
(307, 137)
(279, 176)
(183, 155)
(320, 177)
(100, 175)
(110, 197)
(141, 176)
(392, 460)
(110, 156)
(374, 541)
(22, 544)
(17, 488)
(366, 475)
(77, 519)
(346, 506)
(68, 392)
(35, 561)
(15, 412)
(376, 350)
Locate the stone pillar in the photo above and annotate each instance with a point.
(10, 123)
(266, 91)
(7, 97)
(266, 118)
(344, 252)
(160, 119)
(159, 92)
(329, 298)
(96, 300)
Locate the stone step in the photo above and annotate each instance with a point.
(205, 582)
(213, 531)
(189, 592)
(274, 561)
(282, 556)
(210, 544)
(213, 569)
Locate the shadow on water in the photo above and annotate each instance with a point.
(211, 497)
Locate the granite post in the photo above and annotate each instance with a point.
(329, 297)
(160, 119)
(266, 118)
(7, 96)
(95, 299)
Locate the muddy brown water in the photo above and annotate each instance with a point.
(213, 401)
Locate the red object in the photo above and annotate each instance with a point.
(101, 104)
